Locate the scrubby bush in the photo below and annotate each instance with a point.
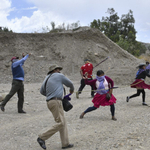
(5, 29)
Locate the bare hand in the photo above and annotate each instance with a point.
(86, 75)
(23, 54)
(110, 91)
(71, 92)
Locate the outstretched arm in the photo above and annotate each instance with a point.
(89, 82)
(21, 61)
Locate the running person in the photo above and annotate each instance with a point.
(139, 83)
(86, 68)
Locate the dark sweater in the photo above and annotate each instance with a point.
(142, 75)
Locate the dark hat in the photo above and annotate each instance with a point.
(86, 60)
(53, 67)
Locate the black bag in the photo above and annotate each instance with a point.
(66, 105)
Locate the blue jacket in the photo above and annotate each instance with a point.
(17, 69)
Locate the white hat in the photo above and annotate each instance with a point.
(141, 64)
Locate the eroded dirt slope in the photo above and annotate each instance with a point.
(68, 50)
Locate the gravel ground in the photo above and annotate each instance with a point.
(96, 131)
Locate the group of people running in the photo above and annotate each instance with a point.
(103, 87)
(52, 88)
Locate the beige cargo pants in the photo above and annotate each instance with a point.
(55, 106)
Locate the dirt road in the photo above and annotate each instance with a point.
(96, 131)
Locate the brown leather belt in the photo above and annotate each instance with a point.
(55, 98)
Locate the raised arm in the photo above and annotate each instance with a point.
(21, 61)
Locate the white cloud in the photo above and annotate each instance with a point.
(38, 20)
(35, 23)
(5, 9)
(67, 11)
(5, 4)
(29, 8)
(148, 23)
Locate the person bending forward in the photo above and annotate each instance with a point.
(103, 96)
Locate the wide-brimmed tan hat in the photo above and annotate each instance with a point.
(53, 67)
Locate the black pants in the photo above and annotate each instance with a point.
(83, 85)
(112, 109)
(17, 86)
(139, 91)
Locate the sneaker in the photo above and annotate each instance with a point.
(144, 104)
(77, 94)
(69, 146)
(127, 99)
(41, 142)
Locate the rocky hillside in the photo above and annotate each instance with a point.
(68, 50)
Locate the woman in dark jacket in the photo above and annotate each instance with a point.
(139, 83)
(104, 97)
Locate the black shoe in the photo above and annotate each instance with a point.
(69, 146)
(22, 111)
(127, 99)
(41, 142)
(144, 104)
(2, 108)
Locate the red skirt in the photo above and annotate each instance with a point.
(138, 83)
(102, 100)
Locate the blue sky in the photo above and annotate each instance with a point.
(29, 16)
(21, 8)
